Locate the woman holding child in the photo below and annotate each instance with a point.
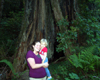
(34, 61)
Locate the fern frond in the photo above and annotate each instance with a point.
(85, 59)
(75, 61)
(10, 65)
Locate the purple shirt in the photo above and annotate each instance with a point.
(35, 73)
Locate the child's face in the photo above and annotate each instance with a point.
(43, 45)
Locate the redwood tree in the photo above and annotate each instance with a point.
(39, 21)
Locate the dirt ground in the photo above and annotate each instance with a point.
(24, 76)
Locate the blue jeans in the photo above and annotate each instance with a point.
(47, 70)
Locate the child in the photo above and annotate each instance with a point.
(43, 54)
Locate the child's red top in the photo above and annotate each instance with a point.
(43, 51)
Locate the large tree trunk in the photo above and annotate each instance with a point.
(40, 22)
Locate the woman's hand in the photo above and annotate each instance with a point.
(45, 65)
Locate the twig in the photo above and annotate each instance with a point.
(59, 59)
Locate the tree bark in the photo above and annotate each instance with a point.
(40, 22)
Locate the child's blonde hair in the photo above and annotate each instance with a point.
(44, 41)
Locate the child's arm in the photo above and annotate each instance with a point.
(45, 55)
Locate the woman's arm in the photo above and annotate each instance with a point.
(34, 65)
(45, 55)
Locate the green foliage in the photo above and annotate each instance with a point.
(7, 49)
(75, 61)
(73, 76)
(72, 73)
(10, 25)
(89, 29)
(15, 74)
(12, 5)
(60, 70)
(52, 79)
(67, 79)
(2, 53)
(63, 71)
(10, 65)
(67, 37)
(85, 59)
(63, 22)
(89, 15)
(83, 31)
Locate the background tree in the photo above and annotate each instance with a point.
(40, 22)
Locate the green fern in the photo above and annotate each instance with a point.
(10, 65)
(85, 59)
(75, 61)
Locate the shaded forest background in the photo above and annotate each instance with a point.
(72, 28)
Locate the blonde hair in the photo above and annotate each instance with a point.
(44, 41)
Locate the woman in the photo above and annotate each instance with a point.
(34, 61)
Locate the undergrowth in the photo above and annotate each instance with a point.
(82, 66)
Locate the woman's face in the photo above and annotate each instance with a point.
(37, 46)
